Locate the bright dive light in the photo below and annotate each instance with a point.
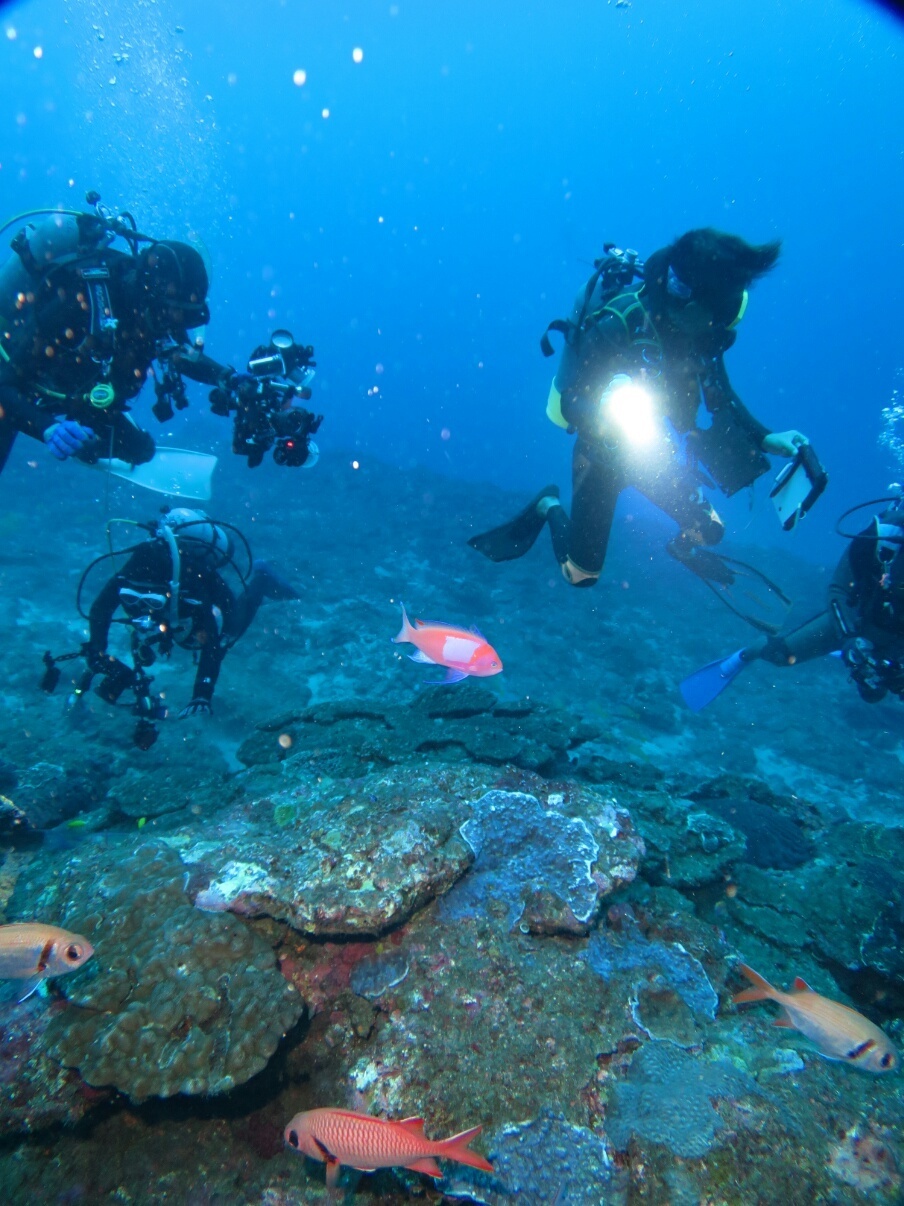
(629, 407)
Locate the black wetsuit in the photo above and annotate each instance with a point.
(681, 373)
(865, 604)
(52, 355)
(212, 616)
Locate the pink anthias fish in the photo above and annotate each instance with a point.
(337, 1137)
(462, 651)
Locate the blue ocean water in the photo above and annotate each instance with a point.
(416, 190)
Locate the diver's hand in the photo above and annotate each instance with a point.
(98, 660)
(65, 438)
(784, 443)
(195, 707)
(241, 385)
(857, 652)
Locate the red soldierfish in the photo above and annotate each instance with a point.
(34, 952)
(337, 1137)
(839, 1032)
(462, 651)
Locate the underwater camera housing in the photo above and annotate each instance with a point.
(266, 404)
(798, 486)
(117, 679)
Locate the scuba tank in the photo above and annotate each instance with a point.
(46, 242)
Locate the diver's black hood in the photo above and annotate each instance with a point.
(175, 283)
(712, 342)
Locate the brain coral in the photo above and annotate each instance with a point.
(179, 1001)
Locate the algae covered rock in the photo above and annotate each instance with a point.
(686, 844)
(178, 1001)
(170, 785)
(470, 724)
(349, 860)
(846, 905)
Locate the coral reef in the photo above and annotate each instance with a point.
(667, 1098)
(475, 963)
(773, 839)
(178, 1001)
(549, 869)
(547, 1159)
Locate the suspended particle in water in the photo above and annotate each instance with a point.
(357, 55)
(299, 77)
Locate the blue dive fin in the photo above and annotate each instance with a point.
(702, 687)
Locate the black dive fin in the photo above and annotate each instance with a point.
(743, 589)
(513, 539)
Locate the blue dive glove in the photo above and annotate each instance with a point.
(195, 707)
(67, 437)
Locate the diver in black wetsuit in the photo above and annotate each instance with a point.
(174, 592)
(82, 325)
(639, 358)
(864, 621)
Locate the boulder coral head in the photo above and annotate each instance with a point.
(180, 1001)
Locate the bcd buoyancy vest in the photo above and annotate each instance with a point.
(42, 250)
(612, 290)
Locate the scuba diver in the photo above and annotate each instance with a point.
(182, 586)
(863, 622)
(643, 347)
(82, 326)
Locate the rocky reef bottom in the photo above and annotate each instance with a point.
(550, 957)
(520, 905)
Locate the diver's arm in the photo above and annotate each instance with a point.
(100, 617)
(201, 368)
(24, 415)
(719, 394)
(146, 564)
(843, 592)
(210, 658)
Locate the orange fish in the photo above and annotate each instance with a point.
(839, 1032)
(337, 1137)
(462, 651)
(34, 952)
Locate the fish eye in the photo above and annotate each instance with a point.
(887, 1060)
(74, 952)
(293, 1138)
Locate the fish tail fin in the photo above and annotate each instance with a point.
(762, 990)
(406, 631)
(456, 1148)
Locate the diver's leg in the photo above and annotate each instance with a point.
(668, 485)
(580, 544)
(816, 638)
(265, 583)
